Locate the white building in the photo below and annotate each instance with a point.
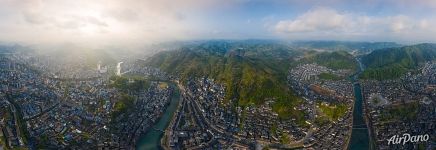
(99, 66)
(119, 69)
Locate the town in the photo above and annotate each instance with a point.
(204, 120)
(48, 104)
(330, 101)
(217, 74)
(405, 105)
(52, 105)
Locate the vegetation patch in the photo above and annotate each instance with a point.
(163, 85)
(404, 112)
(333, 111)
(129, 83)
(334, 60)
(122, 106)
(329, 76)
(285, 139)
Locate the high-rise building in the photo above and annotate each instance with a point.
(99, 66)
(119, 69)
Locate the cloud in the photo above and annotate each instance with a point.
(102, 22)
(328, 23)
(136, 22)
(320, 19)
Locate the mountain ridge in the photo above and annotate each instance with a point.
(391, 63)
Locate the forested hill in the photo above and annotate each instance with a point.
(333, 60)
(391, 63)
(252, 72)
(344, 45)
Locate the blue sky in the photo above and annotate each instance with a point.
(138, 22)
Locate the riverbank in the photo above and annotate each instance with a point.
(360, 138)
(152, 138)
(372, 145)
(359, 135)
(350, 131)
(164, 140)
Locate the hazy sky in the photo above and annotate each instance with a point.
(133, 22)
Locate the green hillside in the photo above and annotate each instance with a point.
(333, 60)
(392, 63)
(344, 45)
(252, 73)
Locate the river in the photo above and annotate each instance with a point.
(151, 140)
(360, 139)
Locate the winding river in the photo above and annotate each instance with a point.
(360, 138)
(151, 140)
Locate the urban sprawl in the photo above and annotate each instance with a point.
(46, 104)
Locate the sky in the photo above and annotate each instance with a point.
(137, 22)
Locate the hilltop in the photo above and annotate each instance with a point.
(391, 63)
(344, 45)
(252, 72)
(334, 60)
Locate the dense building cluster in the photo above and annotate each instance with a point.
(199, 122)
(305, 80)
(51, 105)
(206, 120)
(406, 105)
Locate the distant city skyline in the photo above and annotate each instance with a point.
(134, 22)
